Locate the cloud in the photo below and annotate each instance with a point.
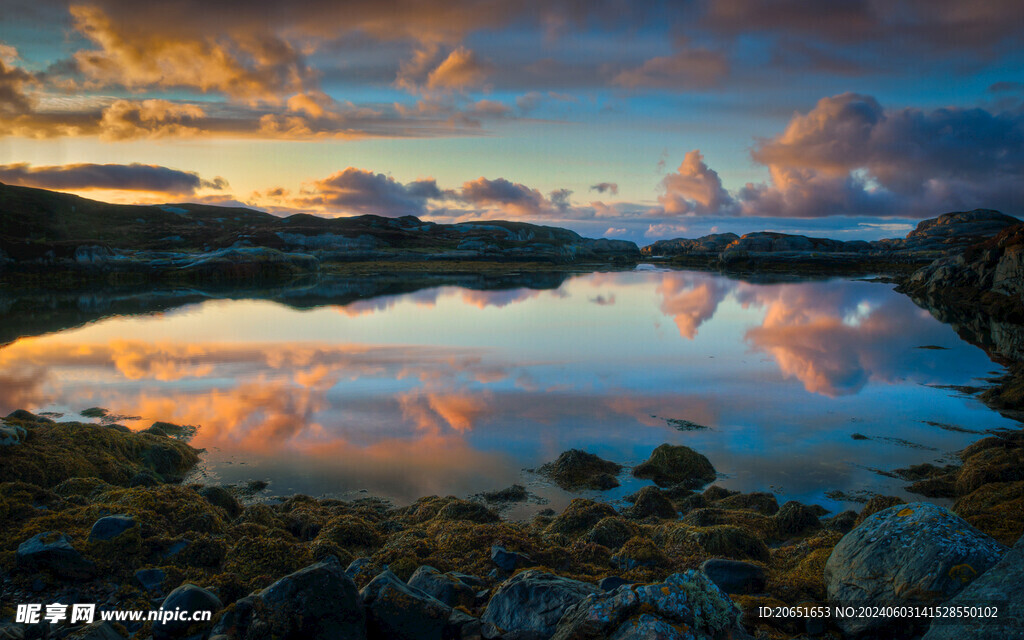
(694, 188)
(123, 177)
(509, 196)
(461, 70)
(685, 69)
(358, 191)
(13, 81)
(606, 187)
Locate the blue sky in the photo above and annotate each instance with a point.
(849, 118)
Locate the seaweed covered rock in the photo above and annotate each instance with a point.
(998, 587)
(676, 465)
(110, 527)
(687, 601)
(914, 554)
(759, 501)
(580, 516)
(534, 601)
(611, 532)
(221, 497)
(319, 601)
(397, 611)
(649, 502)
(509, 560)
(575, 469)
(795, 518)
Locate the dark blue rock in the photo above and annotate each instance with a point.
(397, 611)
(150, 579)
(508, 560)
(611, 583)
(733, 576)
(187, 597)
(110, 527)
(52, 551)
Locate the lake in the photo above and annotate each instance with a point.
(401, 392)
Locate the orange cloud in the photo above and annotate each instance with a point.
(462, 69)
(691, 301)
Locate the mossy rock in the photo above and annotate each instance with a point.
(676, 465)
(716, 492)
(576, 469)
(221, 497)
(876, 504)
(351, 533)
(996, 509)
(260, 558)
(611, 532)
(468, 511)
(761, 502)
(580, 516)
(641, 552)
(762, 526)
(795, 518)
(261, 514)
(993, 464)
(650, 502)
(798, 571)
(727, 541)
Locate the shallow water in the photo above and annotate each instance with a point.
(449, 390)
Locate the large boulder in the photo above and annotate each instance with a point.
(999, 588)
(674, 465)
(397, 611)
(110, 527)
(534, 601)
(319, 602)
(913, 554)
(186, 598)
(685, 600)
(650, 502)
(449, 588)
(575, 469)
(52, 551)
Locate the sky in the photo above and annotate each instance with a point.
(632, 120)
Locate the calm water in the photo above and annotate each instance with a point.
(454, 391)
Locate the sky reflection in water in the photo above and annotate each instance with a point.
(449, 390)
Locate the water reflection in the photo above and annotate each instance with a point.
(445, 389)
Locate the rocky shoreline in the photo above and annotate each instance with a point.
(98, 513)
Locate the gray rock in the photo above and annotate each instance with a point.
(734, 576)
(52, 551)
(186, 598)
(648, 627)
(11, 435)
(360, 568)
(687, 600)
(509, 560)
(109, 527)
(446, 587)
(396, 611)
(150, 579)
(908, 554)
(534, 601)
(1000, 587)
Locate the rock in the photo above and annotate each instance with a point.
(576, 469)
(150, 579)
(716, 492)
(25, 416)
(361, 569)
(686, 600)
(735, 577)
(611, 532)
(580, 516)
(639, 552)
(648, 627)
(534, 601)
(446, 587)
(109, 527)
(396, 611)
(514, 493)
(96, 631)
(508, 560)
(914, 554)
(188, 597)
(11, 435)
(795, 518)
(1000, 587)
(650, 502)
(676, 464)
(876, 504)
(144, 478)
(764, 503)
(53, 552)
(221, 497)
(842, 522)
(611, 583)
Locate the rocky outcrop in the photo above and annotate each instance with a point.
(534, 601)
(912, 554)
(998, 588)
(676, 465)
(575, 469)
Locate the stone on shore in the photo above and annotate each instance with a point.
(397, 611)
(575, 469)
(676, 464)
(186, 598)
(734, 576)
(449, 588)
(52, 551)
(534, 601)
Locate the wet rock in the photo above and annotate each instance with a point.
(649, 502)
(611, 532)
(150, 579)
(53, 552)
(11, 435)
(684, 600)
(1000, 587)
(716, 492)
(515, 493)
(109, 527)
(914, 554)
(735, 577)
(676, 464)
(186, 598)
(764, 503)
(795, 518)
(580, 516)
(446, 587)
(396, 611)
(221, 497)
(534, 601)
(25, 416)
(319, 601)
(576, 469)
(508, 560)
